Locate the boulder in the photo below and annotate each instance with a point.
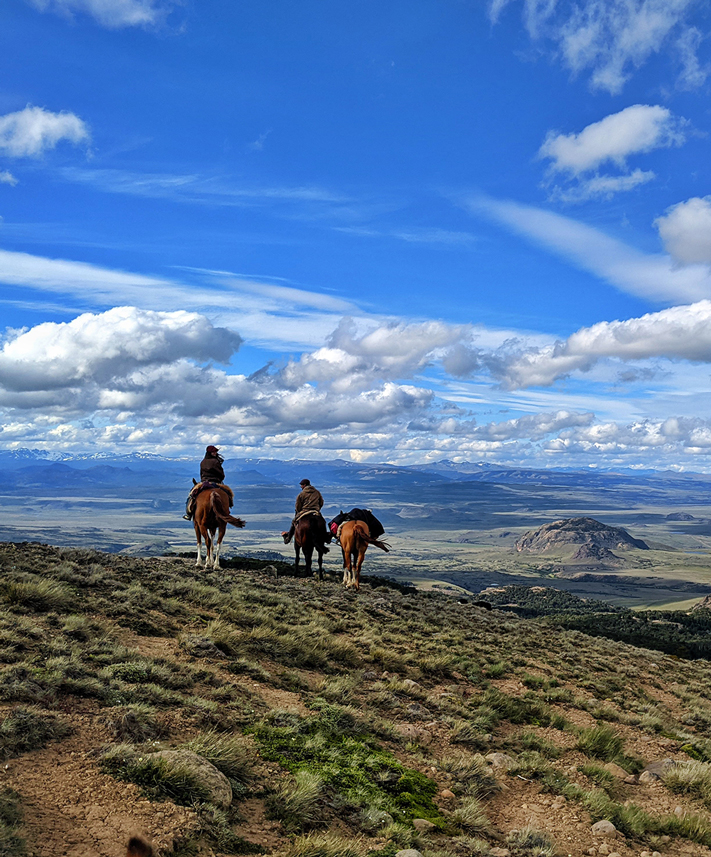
(604, 828)
(408, 852)
(203, 772)
(421, 825)
(502, 761)
(656, 770)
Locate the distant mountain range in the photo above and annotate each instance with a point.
(33, 466)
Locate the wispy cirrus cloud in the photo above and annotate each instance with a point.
(269, 315)
(655, 277)
(7, 178)
(196, 188)
(113, 14)
(610, 39)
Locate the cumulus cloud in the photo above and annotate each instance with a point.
(110, 13)
(639, 128)
(678, 333)
(645, 275)
(685, 230)
(30, 132)
(354, 360)
(96, 348)
(609, 38)
(7, 178)
(636, 129)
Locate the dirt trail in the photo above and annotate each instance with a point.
(66, 799)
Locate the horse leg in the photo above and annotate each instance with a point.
(308, 555)
(361, 556)
(320, 565)
(297, 553)
(198, 561)
(218, 545)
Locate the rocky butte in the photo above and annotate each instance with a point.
(578, 531)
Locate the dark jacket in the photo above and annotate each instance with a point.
(211, 470)
(309, 500)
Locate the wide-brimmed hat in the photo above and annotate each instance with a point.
(212, 449)
(305, 482)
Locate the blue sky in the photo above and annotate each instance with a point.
(397, 231)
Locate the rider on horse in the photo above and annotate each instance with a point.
(210, 471)
(308, 502)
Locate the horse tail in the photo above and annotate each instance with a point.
(228, 519)
(384, 546)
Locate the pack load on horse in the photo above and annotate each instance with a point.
(355, 539)
(308, 528)
(355, 531)
(375, 528)
(208, 506)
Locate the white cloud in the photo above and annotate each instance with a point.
(603, 187)
(634, 130)
(678, 333)
(639, 128)
(693, 74)
(7, 178)
(685, 230)
(111, 13)
(277, 316)
(96, 348)
(30, 132)
(609, 38)
(654, 277)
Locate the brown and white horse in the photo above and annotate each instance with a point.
(355, 538)
(212, 514)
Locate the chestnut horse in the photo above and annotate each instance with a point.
(355, 538)
(310, 535)
(212, 514)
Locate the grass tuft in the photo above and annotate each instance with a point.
(27, 729)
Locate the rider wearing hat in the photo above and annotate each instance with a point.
(210, 471)
(309, 500)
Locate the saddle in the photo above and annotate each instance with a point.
(305, 513)
(204, 486)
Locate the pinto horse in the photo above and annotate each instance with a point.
(355, 538)
(310, 535)
(212, 514)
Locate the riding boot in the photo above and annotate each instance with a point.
(288, 536)
(188, 516)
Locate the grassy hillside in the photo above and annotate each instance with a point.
(346, 725)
